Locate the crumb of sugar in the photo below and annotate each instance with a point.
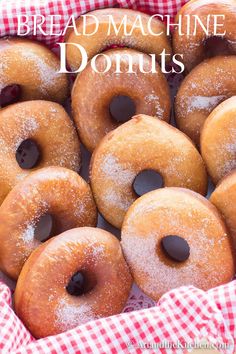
(153, 98)
(28, 234)
(28, 127)
(47, 73)
(115, 171)
(98, 250)
(203, 102)
(69, 316)
(122, 177)
(117, 199)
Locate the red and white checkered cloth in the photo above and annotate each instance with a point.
(9, 9)
(182, 316)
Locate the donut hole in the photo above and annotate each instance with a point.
(173, 250)
(216, 45)
(147, 181)
(45, 228)
(10, 94)
(81, 283)
(122, 108)
(28, 154)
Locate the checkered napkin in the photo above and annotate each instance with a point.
(182, 317)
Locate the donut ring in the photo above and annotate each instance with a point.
(149, 92)
(91, 250)
(48, 125)
(224, 198)
(142, 143)
(105, 37)
(55, 190)
(193, 46)
(181, 212)
(207, 85)
(34, 67)
(218, 140)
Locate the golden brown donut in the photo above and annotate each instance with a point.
(158, 262)
(149, 92)
(104, 287)
(46, 124)
(34, 67)
(224, 198)
(142, 143)
(193, 46)
(105, 36)
(207, 85)
(56, 191)
(218, 140)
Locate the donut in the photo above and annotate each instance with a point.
(54, 191)
(173, 237)
(34, 68)
(143, 143)
(120, 27)
(224, 198)
(207, 85)
(87, 278)
(193, 46)
(35, 134)
(218, 140)
(111, 92)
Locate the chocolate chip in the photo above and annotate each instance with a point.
(28, 154)
(122, 108)
(176, 248)
(10, 94)
(146, 181)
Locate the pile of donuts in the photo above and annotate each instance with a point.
(170, 236)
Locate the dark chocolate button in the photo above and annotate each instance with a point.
(176, 248)
(10, 94)
(28, 154)
(122, 108)
(44, 228)
(77, 284)
(146, 181)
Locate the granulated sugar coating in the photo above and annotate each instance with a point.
(55, 190)
(43, 122)
(142, 143)
(207, 85)
(91, 250)
(180, 212)
(148, 92)
(218, 140)
(34, 68)
(224, 198)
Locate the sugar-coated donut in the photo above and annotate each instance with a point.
(193, 46)
(34, 67)
(127, 35)
(218, 140)
(173, 237)
(224, 198)
(142, 143)
(48, 128)
(207, 85)
(57, 191)
(103, 281)
(148, 91)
